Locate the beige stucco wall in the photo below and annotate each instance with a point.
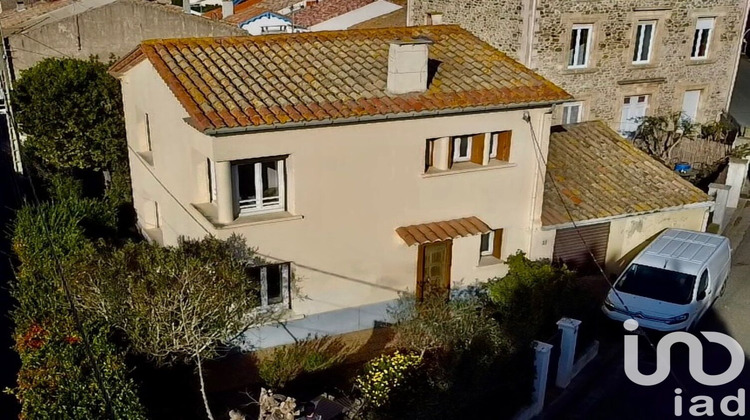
(348, 188)
(627, 235)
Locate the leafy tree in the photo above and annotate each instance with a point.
(174, 304)
(69, 370)
(659, 135)
(71, 111)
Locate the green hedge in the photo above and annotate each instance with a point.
(56, 379)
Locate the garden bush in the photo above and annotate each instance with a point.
(286, 363)
(57, 378)
(384, 375)
(533, 296)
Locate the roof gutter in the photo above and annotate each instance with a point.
(378, 118)
(703, 204)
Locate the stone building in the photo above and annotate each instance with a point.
(621, 59)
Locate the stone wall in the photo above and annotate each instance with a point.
(113, 29)
(495, 21)
(611, 75)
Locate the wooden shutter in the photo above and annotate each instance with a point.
(477, 148)
(497, 246)
(503, 145)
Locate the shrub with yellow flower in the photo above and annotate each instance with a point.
(383, 375)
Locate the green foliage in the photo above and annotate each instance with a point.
(56, 379)
(172, 303)
(286, 363)
(659, 135)
(71, 111)
(384, 375)
(533, 296)
(453, 326)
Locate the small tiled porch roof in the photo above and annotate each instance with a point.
(442, 231)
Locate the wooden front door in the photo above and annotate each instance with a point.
(434, 269)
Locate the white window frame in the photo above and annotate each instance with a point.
(456, 149)
(576, 53)
(211, 180)
(685, 116)
(701, 26)
(640, 45)
(147, 128)
(644, 105)
(490, 244)
(259, 206)
(566, 110)
(285, 269)
(492, 150)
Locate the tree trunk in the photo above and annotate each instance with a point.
(203, 387)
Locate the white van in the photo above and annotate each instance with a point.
(672, 282)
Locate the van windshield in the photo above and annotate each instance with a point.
(657, 283)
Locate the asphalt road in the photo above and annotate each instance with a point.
(611, 395)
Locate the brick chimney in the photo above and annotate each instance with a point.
(227, 8)
(20, 5)
(407, 65)
(186, 6)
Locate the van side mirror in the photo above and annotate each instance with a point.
(701, 295)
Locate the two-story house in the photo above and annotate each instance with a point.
(620, 59)
(375, 161)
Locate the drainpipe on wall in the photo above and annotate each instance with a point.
(739, 55)
(530, 25)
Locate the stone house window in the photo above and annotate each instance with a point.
(644, 41)
(633, 110)
(571, 113)
(580, 45)
(703, 29)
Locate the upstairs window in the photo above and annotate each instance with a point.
(462, 151)
(147, 133)
(491, 244)
(259, 186)
(462, 148)
(644, 40)
(580, 41)
(500, 146)
(703, 29)
(211, 167)
(571, 113)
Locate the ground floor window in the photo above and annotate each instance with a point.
(274, 284)
(491, 244)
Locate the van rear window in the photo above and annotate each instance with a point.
(657, 283)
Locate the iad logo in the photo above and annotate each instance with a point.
(702, 405)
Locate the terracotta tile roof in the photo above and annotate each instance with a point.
(13, 21)
(217, 13)
(441, 231)
(327, 9)
(336, 76)
(599, 174)
(250, 9)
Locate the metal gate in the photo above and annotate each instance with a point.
(572, 246)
